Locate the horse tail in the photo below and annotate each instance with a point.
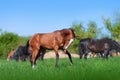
(27, 44)
(117, 46)
(27, 48)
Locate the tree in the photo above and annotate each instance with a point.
(82, 32)
(10, 41)
(92, 30)
(114, 28)
(79, 30)
(7, 42)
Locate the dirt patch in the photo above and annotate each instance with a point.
(51, 54)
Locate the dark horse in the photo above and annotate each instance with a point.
(21, 53)
(56, 40)
(102, 46)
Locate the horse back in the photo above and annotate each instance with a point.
(48, 40)
(100, 44)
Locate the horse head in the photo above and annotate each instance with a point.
(69, 36)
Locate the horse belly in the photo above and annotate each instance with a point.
(95, 49)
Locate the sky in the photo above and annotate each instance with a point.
(27, 17)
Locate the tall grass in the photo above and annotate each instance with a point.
(91, 69)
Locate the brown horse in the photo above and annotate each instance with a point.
(56, 40)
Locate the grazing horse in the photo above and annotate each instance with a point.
(21, 53)
(18, 54)
(59, 39)
(102, 46)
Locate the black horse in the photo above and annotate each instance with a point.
(83, 47)
(23, 53)
(102, 46)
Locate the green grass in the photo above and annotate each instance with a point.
(91, 69)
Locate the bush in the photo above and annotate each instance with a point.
(10, 41)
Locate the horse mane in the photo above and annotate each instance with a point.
(105, 38)
(73, 32)
(63, 31)
(88, 39)
(27, 44)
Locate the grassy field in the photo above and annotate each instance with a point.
(91, 69)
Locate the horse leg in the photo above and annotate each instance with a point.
(43, 53)
(95, 54)
(85, 51)
(81, 55)
(57, 56)
(80, 50)
(33, 58)
(86, 56)
(101, 55)
(69, 55)
(106, 52)
(38, 57)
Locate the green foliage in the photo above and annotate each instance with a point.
(10, 41)
(81, 32)
(114, 28)
(7, 41)
(22, 40)
(92, 30)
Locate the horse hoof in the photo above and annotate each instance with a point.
(71, 64)
(8, 60)
(33, 66)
